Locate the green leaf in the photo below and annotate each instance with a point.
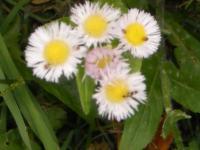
(193, 145)
(57, 116)
(10, 141)
(185, 81)
(142, 4)
(172, 118)
(27, 103)
(170, 122)
(66, 93)
(117, 4)
(140, 129)
(67, 20)
(181, 38)
(86, 87)
(135, 63)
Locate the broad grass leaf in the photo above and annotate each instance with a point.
(140, 128)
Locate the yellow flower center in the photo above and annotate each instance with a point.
(116, 91)
(95, 25)
(56, 52)
(103, 62)
(135, 34)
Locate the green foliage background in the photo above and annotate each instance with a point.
(38, 115)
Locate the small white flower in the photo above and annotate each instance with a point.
(95, 22)
(120, 94)
(139, 33)
(99, 60)
(54, 49)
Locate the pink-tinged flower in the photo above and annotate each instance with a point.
(99, 60)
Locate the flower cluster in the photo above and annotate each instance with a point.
(56, 49)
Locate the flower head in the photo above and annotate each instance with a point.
(95, 22)
(99, 60)
(54, 50)
(139, 33)
(120, 93)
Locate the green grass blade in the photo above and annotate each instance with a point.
(67, 140)
(12, 14)
(30, 14)
(12, 105)
(41, 123)
(29, 106)
(3, 118)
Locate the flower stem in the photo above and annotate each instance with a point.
(165, 83)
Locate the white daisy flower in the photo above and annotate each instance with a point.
(120, 94)
(53, 50)
(99, 60)
(95, 22)
(139, 33)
